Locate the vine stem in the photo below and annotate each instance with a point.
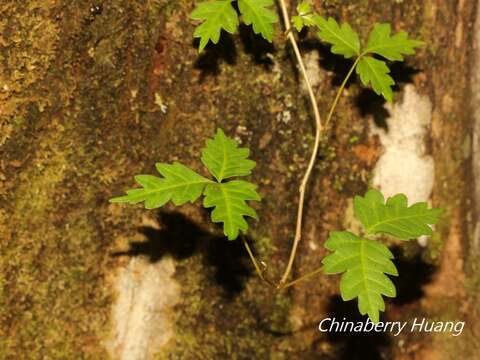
(283, 284)
(260, 272)
(340, 90)
(319, 127)
(301, 278)
(318, 131)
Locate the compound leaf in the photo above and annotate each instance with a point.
(375, 72)
(381, 42)
(224, 159)
(364, 264)
(215, 16)
(305, 17)
(230, 207)
(345, 41)
(256, 13)
(394, 216)
(179, 184)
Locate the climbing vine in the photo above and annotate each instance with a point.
(364, 262)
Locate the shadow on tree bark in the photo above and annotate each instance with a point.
(181, 238)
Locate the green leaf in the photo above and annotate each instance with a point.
(345, 41)
(394, 216)
(375, 72)
(256, 13)
(298, 23)
(305, 17)
(230, 207)
(304, 7)
(224, 159)
(179, 184)
(390, 47)
(215, 16)
(364, 264)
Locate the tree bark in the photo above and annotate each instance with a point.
(92, 94)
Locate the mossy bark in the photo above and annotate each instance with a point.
(93, 93)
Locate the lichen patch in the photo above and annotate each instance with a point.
(405, 165)
(146, 294)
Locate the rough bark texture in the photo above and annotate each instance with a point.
(92, 93)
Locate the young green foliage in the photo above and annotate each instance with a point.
(223, 159)
(305, 17)
(343, 39)
(179, 184)
(346, 42)
(393, 48)
(218, 15)
(394, 217)
(230, 207)
(257, 14)
(365, 263)
(376, 73)
(215, 16)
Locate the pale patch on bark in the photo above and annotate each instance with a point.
(405, 166)
(314, 72)
(146, 294)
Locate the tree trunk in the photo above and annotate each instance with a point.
(94, 93)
